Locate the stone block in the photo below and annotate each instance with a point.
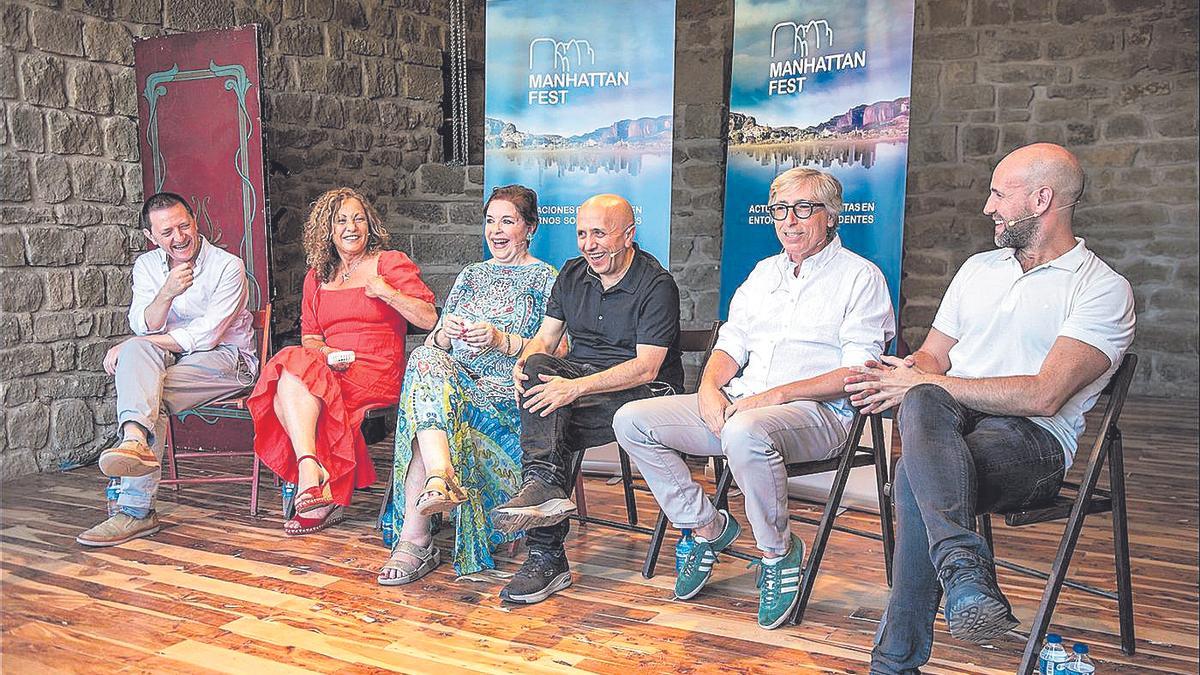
(947, 13)
(73, 134)
(112, 323)
(380, 79)
(290, 108)
(12, 248)
(28, 426)
(118, 285)
(75, 385)
(108, 41)
(9, 84)
(52, 178)
(78, 214)
(422, 83)
(124, 92)
(1009, 50)
(53, 327)
(42, 80)
(90, 355)
(931, 144)
(444, 249)
(301, 39)
(1167, 152)
(98, 181)
(138, 11)
(26, 359)
(1014, 96)
(54, 245)
(26, 128)
(327, 112)
(969, 96)
(1179, 125)
(56, 32)
(107, 245)
(14, 178)
(979, 140)
(71, 423)
(14, 26)
(197, 15)
(1018, 73)
(89, 88)
(121, 138)
(1077, 11)
(1125, 126)
(1057, 110)
(1080, 133)
(89, 286)
(946, 46)
(959, 72)
(440, 179)
(1031, 10)
(60, 292)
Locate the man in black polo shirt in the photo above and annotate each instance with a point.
(621, 310)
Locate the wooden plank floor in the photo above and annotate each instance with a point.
(217, 591)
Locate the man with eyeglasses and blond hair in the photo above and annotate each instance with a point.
(772, 391)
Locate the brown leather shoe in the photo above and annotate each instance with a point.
(131, 458)
(119, 529)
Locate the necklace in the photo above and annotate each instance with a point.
(350, 269)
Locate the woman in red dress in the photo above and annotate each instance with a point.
(308, 408)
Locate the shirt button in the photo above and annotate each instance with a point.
(601, 317)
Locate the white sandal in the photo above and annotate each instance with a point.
(430, 558)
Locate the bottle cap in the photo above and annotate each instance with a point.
(1080, 648)
(1054, 638)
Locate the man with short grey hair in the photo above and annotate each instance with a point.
(771, 392)
(193, 343)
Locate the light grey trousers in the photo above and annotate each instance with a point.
(151, 381)
(756, 444)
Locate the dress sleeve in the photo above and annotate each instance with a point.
(309, 325)
(404, 275)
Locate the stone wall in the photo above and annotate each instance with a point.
(352, 96)
(353, 92)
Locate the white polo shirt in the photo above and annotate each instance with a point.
(787, 324)
(1006, 320)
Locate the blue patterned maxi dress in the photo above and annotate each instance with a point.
(469, 395)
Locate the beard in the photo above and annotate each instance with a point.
(1018, 236)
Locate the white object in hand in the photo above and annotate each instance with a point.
(340, 358)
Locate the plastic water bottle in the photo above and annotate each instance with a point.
(387, 526)
(1052, 657)
(287, 491)
(1079, 663)
(683, 547)
(111, 494)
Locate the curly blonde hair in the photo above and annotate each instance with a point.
(320, 253)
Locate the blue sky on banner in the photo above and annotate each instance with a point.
(617, 33)
(881, 28)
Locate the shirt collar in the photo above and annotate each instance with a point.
(1069, 261)
(814, 262)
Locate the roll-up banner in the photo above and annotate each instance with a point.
(823, 84)
(579, 99)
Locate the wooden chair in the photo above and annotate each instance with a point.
(699, 341)
(853, 454)
(233, 407)
(1087, 499)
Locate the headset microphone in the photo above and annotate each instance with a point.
(1010, 223)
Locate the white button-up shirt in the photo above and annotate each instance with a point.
(1006, 320)
(785, 326)
(211, 312)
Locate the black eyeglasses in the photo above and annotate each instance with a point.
(803, 210)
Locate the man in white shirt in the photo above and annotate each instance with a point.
(993, 402)
(193, 343)
(797, 324)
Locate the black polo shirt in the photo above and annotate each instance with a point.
(607, 325)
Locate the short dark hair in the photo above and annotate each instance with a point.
(160, 201)
(524, 199)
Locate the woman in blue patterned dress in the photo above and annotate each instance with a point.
(458, 428)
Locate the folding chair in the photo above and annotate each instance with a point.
(1088, 499)
(233, 407)
(693, 341)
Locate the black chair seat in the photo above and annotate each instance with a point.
(1058, 509)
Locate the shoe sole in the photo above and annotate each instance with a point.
(982, 621)
(116, 465)
(547, 513)
(100, 544)
(556, 584)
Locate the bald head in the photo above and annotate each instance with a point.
(1045, 165)
(612, 210)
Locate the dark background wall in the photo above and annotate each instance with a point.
(354, 91)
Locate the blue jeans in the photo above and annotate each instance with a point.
(956, 462)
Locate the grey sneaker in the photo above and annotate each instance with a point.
(536, 504)
(543, 574)
(119, 529)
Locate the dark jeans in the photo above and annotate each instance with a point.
(955, 463)
(549, 443)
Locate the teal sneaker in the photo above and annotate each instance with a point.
(779, 586)
(697, 566)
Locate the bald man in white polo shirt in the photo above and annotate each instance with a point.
(993, 401)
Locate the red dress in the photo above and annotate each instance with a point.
(347, 319)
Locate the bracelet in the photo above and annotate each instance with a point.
(508, 344)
